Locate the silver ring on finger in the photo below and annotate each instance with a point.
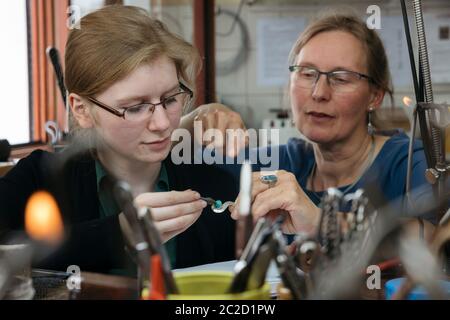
(269, 179)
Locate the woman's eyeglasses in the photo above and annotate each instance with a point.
(143, 111)
(342, 81)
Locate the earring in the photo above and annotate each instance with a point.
(370, 127)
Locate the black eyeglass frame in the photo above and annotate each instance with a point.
(153, 105)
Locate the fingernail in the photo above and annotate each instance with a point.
(204, 204)
(196, 195)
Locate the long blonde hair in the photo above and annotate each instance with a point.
(111, 43)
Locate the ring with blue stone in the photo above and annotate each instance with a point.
(269, 179)
(217, 204)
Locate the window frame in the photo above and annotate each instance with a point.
(46, 23)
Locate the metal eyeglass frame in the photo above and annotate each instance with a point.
(295, 68)
(154, 105)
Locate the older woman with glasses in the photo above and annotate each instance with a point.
(339, 76)
(129, 83)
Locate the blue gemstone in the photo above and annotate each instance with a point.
(218, 204)
(269, 178)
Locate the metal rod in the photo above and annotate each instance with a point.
(428, 89)
(410, 153)
(410, 50)
(437, 134)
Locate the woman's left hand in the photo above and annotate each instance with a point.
(286, 196)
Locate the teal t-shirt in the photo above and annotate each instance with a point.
(108, 205)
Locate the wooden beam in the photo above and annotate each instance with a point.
(50, 104)
(204, 40)
(48, 28)
(61, 34)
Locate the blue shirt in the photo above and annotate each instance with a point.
(389, 169)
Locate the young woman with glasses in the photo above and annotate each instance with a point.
(129, 81)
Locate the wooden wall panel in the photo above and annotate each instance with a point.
(48, 28)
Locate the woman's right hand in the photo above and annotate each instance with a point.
(173, 211)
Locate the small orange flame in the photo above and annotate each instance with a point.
(43, 220)
(407, 101)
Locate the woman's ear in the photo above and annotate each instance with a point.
(377, 97)
(81, 111)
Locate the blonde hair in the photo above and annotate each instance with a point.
(114, 41)
(376, 59)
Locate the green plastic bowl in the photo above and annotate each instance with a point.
(212, 285)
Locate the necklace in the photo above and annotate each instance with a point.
(369, 161)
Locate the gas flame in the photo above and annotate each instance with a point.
(407, 101)
(43, 220)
